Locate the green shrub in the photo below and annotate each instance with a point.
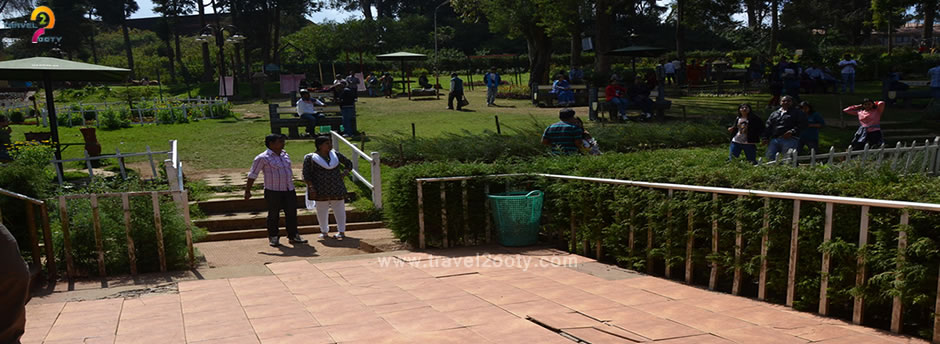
(526, 142)
(29, 174)
(16, 116)
(602, 212)
(114, 119)
(114, 238)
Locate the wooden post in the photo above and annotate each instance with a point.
(858, 309)
(574, 233)
(713, 275)
(131, 252)
(738, 243)
(99, 245)
(632, 239)
(153, 166)
(466, 214)
(649, 249)
(897, 307)
(824, 282)
(444, 213)
(421, 242)
(762, 280)
(486, 205)
(66, 237)
(794, 251)
(668, 237)
(688, 248)
(33, 236)
(158, 226)
(812, 157)
(47, 241)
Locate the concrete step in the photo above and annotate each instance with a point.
(892, 140)
(240, 204)
(244, 220)
(263, 233)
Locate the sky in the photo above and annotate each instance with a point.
(146, 10)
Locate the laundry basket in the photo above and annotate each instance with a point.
(517, 216)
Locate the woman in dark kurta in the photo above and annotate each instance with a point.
(324, 178)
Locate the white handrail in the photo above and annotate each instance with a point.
(375, 185)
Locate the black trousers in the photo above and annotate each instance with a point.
(277, 201)
(14, 289)
(450, 99)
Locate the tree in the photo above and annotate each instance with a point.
(889, 14)
(563, 17)
(928, 10)
(171, 10)
(116, 14)
(515, 18)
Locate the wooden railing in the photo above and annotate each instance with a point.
(35, 251)
(767, 196)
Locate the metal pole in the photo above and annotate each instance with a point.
(53, 122)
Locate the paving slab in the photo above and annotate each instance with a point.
(398, 297)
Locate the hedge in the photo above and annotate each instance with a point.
(602, 213)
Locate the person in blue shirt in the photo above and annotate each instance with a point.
(809, 138)
(492, 81)
(934, 74)
(562, 89)
(456, 92)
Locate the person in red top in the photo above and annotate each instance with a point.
(869, 118)
(617, 95)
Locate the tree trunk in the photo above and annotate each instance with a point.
(752, 21)
(930, 12)
(277, 34)
(680, 30)
(179, 55)
(366, 9)
(127, 47)
(206, 65)
(94, 46)
(774, 4)
(604, 43)
(169, 54)
(576, 47)
(540, 52)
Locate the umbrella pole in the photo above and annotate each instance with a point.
(53, 122)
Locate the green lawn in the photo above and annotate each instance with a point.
(229, 143)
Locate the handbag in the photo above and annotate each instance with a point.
(464, 101)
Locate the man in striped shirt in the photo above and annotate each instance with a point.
(279, 191)
(566, 136)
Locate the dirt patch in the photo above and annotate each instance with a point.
(166, 288)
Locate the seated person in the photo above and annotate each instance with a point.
(306, 109)
(617, 95)
(423, 81)
(639, 94)
(562, 89)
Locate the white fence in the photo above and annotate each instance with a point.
(375, 184)
(174, 167)
(911, 158)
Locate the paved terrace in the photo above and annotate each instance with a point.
(430, 298)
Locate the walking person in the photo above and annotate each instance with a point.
(347, 107)
(869, 118)
(324, 179)
(306, 109)
(810, 136)
(670, 70)
(492, 81)
(371, 84)
(783, 127)
(848, 66)
(456, 92)
(279, 191)
(745, 134)
(387, 82)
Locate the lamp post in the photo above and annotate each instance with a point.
(437, 74)
(219, 32)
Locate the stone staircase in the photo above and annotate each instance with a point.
(231, 217)
(894, 132)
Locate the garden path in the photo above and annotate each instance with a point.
(445, 296)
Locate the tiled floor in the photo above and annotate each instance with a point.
(428, 298)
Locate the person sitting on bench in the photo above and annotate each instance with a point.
(617, 95)
(562, 89)
(639, 94)
(423, 82)
(306, 109)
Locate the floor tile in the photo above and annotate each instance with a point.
(657, 329)
(757, 334)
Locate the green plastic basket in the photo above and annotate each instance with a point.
(517, 216)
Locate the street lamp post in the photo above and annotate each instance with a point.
(219, 33)
(437, 74)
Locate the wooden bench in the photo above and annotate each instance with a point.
(602, 105)
(907, 96)
(294, 122)
(544, 98)
(424, 93)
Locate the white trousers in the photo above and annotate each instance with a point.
(339, 212)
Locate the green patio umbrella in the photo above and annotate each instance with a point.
(50, 69)
(403, 56)
(637, 51)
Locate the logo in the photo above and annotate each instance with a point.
(45, 19)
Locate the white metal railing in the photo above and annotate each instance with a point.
(172, 153)
(375, 184)
(865, 203)
(902, 157)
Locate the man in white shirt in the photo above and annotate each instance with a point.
(306, 109)
(670, 69)
(848, 66)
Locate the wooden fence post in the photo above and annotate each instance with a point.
(794, 251)
(99, 244)
(131, 251)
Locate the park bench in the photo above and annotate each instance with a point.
(922, 91)
(660, 105)
(325, 97)
(293, 122)
(424, 92)
(543, 97)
